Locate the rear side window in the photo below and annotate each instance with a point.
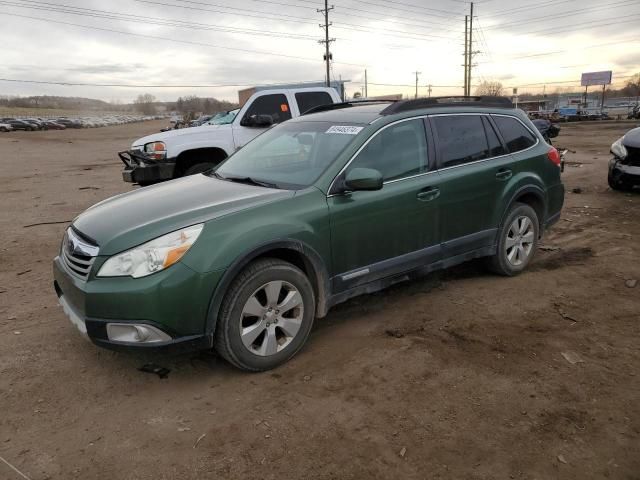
(275, 105)
(515, 134)
(461, 139)
(308, 100)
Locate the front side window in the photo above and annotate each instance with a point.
(461, 139)
(396, 152)
(275, 105)
(515, 134)
(308, 100)
(291, 155)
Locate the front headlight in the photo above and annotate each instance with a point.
(618, 149)
(156, 150)
(152, 256)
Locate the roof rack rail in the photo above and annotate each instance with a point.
(453, 101)
(337, 106)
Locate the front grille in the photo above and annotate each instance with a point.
(77, 255)
(633, 156)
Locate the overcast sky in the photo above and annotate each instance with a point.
(217, 42)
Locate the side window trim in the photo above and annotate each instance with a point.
(489, 119)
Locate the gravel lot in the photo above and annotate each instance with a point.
(462, 375)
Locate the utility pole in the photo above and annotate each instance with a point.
(429, 90)
(366, 93)
(327, 54)
(417, 73)
(466, 53)
(470, 51)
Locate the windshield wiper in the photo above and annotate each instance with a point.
(247, 180)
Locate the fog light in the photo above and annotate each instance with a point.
(131, 333)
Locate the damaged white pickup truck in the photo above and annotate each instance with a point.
(178, 153)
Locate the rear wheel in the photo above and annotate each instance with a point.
(266, 315)
(518, 241)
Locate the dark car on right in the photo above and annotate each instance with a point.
(624, 167)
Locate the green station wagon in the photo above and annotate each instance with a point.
(341, 202)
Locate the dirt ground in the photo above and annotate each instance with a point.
(462, 375)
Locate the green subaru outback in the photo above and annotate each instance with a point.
(340, 202)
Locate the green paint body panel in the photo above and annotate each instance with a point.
(347, 232)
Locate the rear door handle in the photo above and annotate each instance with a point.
(504, 174)
(430, 193)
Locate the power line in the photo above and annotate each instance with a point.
(293, 19)
(607, 6)
(123, 85)
(187, 42)
(105, 14)
(599, 24)
(437, 12)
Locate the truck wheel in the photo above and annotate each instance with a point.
(198, 168)
(517, 242)
(266, 315)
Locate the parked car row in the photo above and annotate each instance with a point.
(8, 124)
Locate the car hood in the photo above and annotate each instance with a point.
(632, 138)
(133, 218)
(182, 135)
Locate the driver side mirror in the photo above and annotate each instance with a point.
(363, 179)
(259, 121)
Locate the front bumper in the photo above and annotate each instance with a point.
(140, 169)
(628, 174)
(174, 301)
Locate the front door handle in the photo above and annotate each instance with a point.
(504, 174)
(431, 193)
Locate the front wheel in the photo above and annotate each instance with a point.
(616, 183)
(517, 242)
(266, 315)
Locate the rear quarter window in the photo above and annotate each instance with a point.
(308, 100)
(516, 136)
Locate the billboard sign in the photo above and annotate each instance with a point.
(596, 78)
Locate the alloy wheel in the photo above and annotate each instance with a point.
(519, 241)
(271, 318)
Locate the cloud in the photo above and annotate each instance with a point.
(391, 42)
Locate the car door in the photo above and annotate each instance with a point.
(375, 234)
(275, 105)
(472, 166)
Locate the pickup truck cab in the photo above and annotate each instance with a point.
(178, 153)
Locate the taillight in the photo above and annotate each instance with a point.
(554, 156)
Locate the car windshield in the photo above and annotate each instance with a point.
(290, 155)
(224, 118)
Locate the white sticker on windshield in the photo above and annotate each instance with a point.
(344, 129)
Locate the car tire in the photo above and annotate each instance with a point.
(616, 183)
(517, 241)
(198, 168)
(254, 332)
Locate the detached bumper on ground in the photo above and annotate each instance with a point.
(140, 169)
(174, 323)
